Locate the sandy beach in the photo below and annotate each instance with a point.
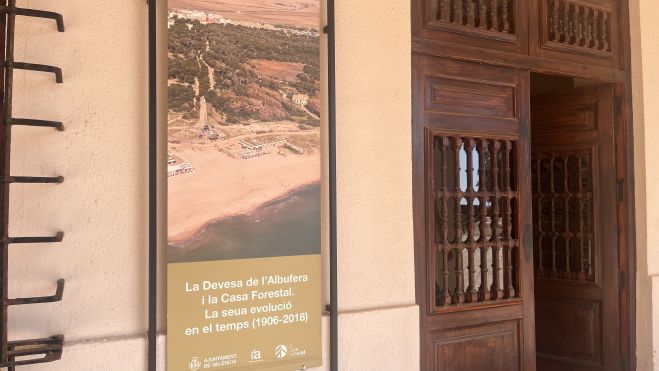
(223, 186)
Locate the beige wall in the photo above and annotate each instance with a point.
(102, 206)
(645, 74)
(379, 326)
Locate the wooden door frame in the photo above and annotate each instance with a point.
(625, 208)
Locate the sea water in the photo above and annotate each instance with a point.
(287, 226)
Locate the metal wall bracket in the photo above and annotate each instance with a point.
(22, 352)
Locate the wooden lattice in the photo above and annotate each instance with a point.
(580, 26)
(562, 213)
(490, 15)
(475, 201)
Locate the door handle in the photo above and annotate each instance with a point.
(528, 241)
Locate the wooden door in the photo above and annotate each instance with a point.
(472, 213)
(575, 231)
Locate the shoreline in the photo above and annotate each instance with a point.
(222, 187)
(201, 230)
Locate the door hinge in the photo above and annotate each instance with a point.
(620, 192)
(622, 280)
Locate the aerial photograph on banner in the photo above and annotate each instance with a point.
(243, 129)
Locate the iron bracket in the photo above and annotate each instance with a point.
(58, 18)
(22, 352)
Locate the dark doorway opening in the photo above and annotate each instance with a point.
(575, 229)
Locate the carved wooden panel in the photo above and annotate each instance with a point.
(581, 323)
(578, 114)
(581, 31)
(462, 96)
(481, 23)
(496, 346)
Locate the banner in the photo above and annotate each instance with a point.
(243, 163)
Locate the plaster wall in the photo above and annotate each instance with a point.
(102, 206)
(645, 95)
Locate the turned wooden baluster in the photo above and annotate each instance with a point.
(581, 235)
(604, 30)
(471, 13)
(554, 234)
(539, 230)
(572, 22)
(588, 29)
(580, 25)
(566, 214)
(459, 264)
(472, 290)
(444, 192)
(598, 28)
(553, 21)
(446, 295)
(482, 189)
(508, 222)
(576, 29)
(594, 30)
(444, 12)
(497, 291)
(494, 14)
(504, 17)
(457, 11)
(559, 21)
(482, 14)
(565, 22)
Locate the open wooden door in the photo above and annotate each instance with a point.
(575, 231)
(473, 232)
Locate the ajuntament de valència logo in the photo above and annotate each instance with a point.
(195, 364)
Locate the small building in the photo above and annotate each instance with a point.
(301, 99)
(176, 165)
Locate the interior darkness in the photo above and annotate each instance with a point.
(549, 85)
